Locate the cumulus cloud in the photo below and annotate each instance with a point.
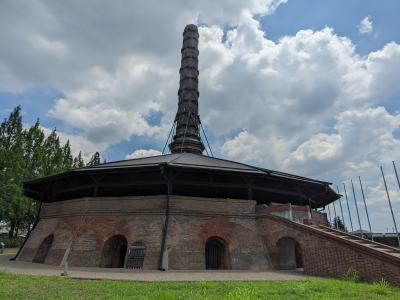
(143, 153)
(78, 143)
(115, 63)
(365, 26)
(307, 103)
(362, 139)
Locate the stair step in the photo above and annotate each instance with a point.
(358, 240)
(393, 251)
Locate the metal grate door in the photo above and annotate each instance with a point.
(136, 256)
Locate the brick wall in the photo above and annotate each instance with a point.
(323, 256)
(250, 233)
(84, 225)
(194, 220)
(319, 218)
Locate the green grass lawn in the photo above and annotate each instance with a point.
(10, 250)
(13, 286)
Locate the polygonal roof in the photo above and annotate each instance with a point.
(195, 161)
(118, 178)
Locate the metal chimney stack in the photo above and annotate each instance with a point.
(187, 134)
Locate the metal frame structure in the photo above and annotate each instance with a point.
(190, 175)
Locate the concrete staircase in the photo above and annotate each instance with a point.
(378, 250)
(373, 248)
(328, 252)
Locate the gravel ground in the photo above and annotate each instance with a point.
(145, 275)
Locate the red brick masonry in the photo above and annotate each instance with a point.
(251, 235)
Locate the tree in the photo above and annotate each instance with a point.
(95, 160)
(338, 224)
(12, 170)
(53, 154)
(78, 161)
(68, 160)
(26, 154)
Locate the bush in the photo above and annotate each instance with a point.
(15, 242)
(352, 275)
(387, 240)
(383, 282)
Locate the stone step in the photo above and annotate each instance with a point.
(358, 240)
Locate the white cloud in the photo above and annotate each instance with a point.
(248, 147)
(365, 26)
(115, 66)
(78, 143)
(362, 139)
(143, 153)
(307, 103)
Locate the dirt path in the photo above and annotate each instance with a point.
(144, 275)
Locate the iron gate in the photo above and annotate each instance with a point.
(136, 256)
(214, 255)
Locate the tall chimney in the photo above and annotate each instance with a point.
(187, 134)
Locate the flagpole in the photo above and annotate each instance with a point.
(355, 202)
(366, 210)
(340, 204)
(348, 207)
(390, 205)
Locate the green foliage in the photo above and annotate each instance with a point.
(16, 286)
(383, 282)
(95, 160)
(352, 275)
(14, 242)
(78, 161)
(387, 240)
(338, 224)
(26, 154)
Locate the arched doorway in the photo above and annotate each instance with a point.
(114, 252)
(216, 254)
(290, 254)
(299, 255)
(43, 250)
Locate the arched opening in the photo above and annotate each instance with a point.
(217, 256)
(299, 255)
(290, 254)
(114, 252)
(136, 255)
(43, 250)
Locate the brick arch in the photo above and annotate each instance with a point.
(43, 250)
(114, 251)
(290, 253)
(301, 238)
(298, 237)
(220, 227)
(217, 254)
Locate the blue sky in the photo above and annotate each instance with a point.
(343, 16)
(309, 87)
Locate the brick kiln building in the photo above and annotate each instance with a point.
(185, 210)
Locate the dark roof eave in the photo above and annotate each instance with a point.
(82, 170)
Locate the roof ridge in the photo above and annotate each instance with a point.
(178, 155)
(227, 160)
(122, 160)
